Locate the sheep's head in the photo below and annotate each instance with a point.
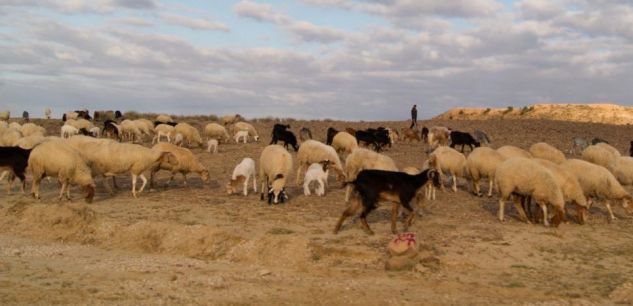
(627, 203)
(581, 214)
(256, 137)
(277, 192)
(233, 185)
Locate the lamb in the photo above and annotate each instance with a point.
(512, 151)
(463, 138)
(597, 182)
(15, 160)
(164, 118)
(569, 186)
(216, 131)
(393, 135)
(483, 162)
(288, 138)
(343, 142)
(241, 174)
(313, 151)
(548, 152)
(317, 172)
(361, 159)
(527, 178)
(186, 163)
(372, 186)
(578, 142)
(241, 135)
(68, 130)
(331, 132)
(438, 136)
(275, 164)
(305, 134)
(448, 159)
(5, 115)
(31, 129)
(410, 134)
(190, 133)
(230, 119)
(212, 143)
(481, 137)
(163, 130)
(68, 166)
(600, 154)
(243, 126)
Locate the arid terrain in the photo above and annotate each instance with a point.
(197, 245)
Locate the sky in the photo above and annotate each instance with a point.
(312, 59)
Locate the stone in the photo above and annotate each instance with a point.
(404, 244)
(399, 263)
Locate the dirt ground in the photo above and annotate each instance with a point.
(197, 245)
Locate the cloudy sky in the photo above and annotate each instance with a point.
(340, 59)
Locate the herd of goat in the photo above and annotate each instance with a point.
(542, 174)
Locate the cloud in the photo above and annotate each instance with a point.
(82, 6)
(195, 23)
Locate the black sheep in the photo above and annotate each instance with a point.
(462, 138)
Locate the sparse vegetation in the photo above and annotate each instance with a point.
(487, 111)
(509, 109)
(526, 110)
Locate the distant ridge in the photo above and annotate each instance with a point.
(594, 112)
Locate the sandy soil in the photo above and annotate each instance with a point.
(196, 245)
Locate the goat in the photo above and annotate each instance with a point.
(399, 188)
(278, 132)
(462, 138)
(289, 138)
(425, 134)
(16, 159)
(331, 132)
(376, 137)
(110, 129)
(350, 130)
(578, 142)
(482, 137)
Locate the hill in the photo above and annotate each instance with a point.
(596, 113)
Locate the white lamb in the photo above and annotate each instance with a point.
(312, 151)
(275, 164)
(212, 143)
(601, 154)
(241, 174)
(241, 135)
(317, 172)
(68, 130)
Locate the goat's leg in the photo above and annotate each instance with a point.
(517, 204)
(394, 217)
(348, 212)
(363, 222)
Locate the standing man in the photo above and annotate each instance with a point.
(414, 116)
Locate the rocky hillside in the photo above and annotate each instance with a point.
(597, 113)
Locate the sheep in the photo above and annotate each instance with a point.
(463, 138)
(190, 133)
(241, 174)
(212, 143)
(68, 130)
(600, 154)
(163, 130)
(164, 118)
(30, 142)
(3, 125)
(15, 126)
(448, 159)
(186, 162)
(623, 170)
(597, 182)
(111, 129)
(410, 134)
(9, 137)
(524, 177)
(361, 159)
(372, 186)
(5, 115)
(241, 135)
(216, 131)
(14, 160)
(109, 158)
(331, 132)
(481, 137)
(578, 142)
(305, 134)
(145, 126)
(376, 137)
(343, 142)
(546, 151)
(129, 130)
(243, 126)
(179, 139)
(313, 151)
(438, 136)
(95, 131)
(288, 138)
(317, 172)
(70, 115)
(275, 164)
(483, 162)
(569, 186)
(410, 170)
(67, 165)
(512, 151)
(230, 119)
(30, 129)
(47, 113)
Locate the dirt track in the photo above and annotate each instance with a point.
(197, 245)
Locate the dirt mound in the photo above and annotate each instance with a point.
(598, 113)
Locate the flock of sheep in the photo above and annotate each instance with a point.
(543, 174)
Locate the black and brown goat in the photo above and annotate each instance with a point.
(372, 186)
(14, 159)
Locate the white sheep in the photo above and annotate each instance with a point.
(344, 142)
(5, 115)
(449, 160)
(130, 131)
(3, 125)
(313, 151)
(145, 126)
(230, 119)
(72, 115)
(163, 130)
(361, 159)
(569, 186)
(15, 126)
(212, 143)
(600, 154)
(512, 151)
(623, 170)
(47, 113)
(95, 132)
(186, 163)
(216, 131)
(598, 183)
(275, 164)
(164, 118)
(9, 137)
(68, 130)
(243, 126)
(179, 140)
(32, 129)
(483, 162)
(30, 142)
(527, 178)
(317, 172)
(241, 174)
(547, 151)
(438, 136)
(190, 133)
(241, 135)
(67, 165)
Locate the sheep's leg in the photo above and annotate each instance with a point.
(611, 215)
(299, 177)
(475, 184)
(134, 185)
(490, 185)
(4, 173)
(246, 185)
(306, 188)
(454, 181)
(517, 205)
(544, 209)
(144, 179)
(35, 187)
(61, 192)
(114, 182)
(68, 191)
(254, 183)
(502, 204)
(184, 176)
(264, 180)
(394, 217)
(350, 211)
